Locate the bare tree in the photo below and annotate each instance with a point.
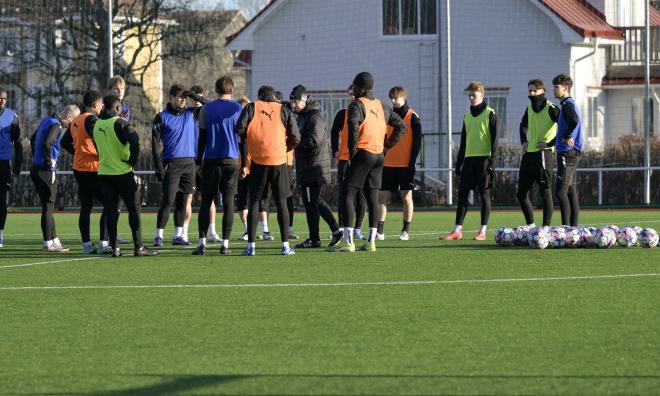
(64, 44)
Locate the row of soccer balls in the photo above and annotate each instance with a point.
(560, 237)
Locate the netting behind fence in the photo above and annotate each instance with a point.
(52, 51)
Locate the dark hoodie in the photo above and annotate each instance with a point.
(312, 153)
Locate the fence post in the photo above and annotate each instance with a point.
(600, 187)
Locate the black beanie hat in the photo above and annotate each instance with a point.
(364, 80)
(299, 92)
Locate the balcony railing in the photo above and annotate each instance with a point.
(631, 52)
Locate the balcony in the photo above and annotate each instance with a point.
(626, 60)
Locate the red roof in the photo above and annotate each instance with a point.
(583, 18)
(654, 16)
(628, 81)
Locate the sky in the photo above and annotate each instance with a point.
(249, 7)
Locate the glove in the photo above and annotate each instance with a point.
(458, 169)
(198, 162)
(16, 170)
(159, 173)
(490, 168)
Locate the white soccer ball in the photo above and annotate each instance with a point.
(585, 237)
(572, 237)
(626, 237)
(504, 237)
(557, 237)
(594, 236)
(538, 238)
(613, 228)
(648, 238)
(520, 237)
(606, 238)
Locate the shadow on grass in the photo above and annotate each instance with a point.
(185, 384)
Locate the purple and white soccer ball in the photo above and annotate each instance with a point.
(626, 237)
(572, 237)
(605, 237)
(504, 237)
(613, 228)
(594, 236)
(585, 237)
(557, 237)
(521, 236)
(648, 238)
(637, 229)
(538, 238)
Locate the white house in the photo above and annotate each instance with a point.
(322, 44)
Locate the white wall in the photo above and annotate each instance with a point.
(624, 12)
(324, 44)
(588, 75)
(504, 44)
(625, 112)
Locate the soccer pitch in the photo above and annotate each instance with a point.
(421, 317)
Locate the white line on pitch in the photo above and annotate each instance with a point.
(341, 284)
(48, 262)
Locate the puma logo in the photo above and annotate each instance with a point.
(268, 114)
(102, 130)
(374, 113)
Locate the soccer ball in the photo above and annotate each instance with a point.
(557, 237)
(585, 237)
(521, 236)
(626, 237)
(538, 238)
(605, 237)
(637, 229)
(572, 237)
(648, 238)
(504, 236)
(613, 228)
(594, 236)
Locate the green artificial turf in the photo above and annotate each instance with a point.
(421, 317)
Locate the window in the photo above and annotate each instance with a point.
(592, 117)
(331, 102)
(409, 17)
(498, 103)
